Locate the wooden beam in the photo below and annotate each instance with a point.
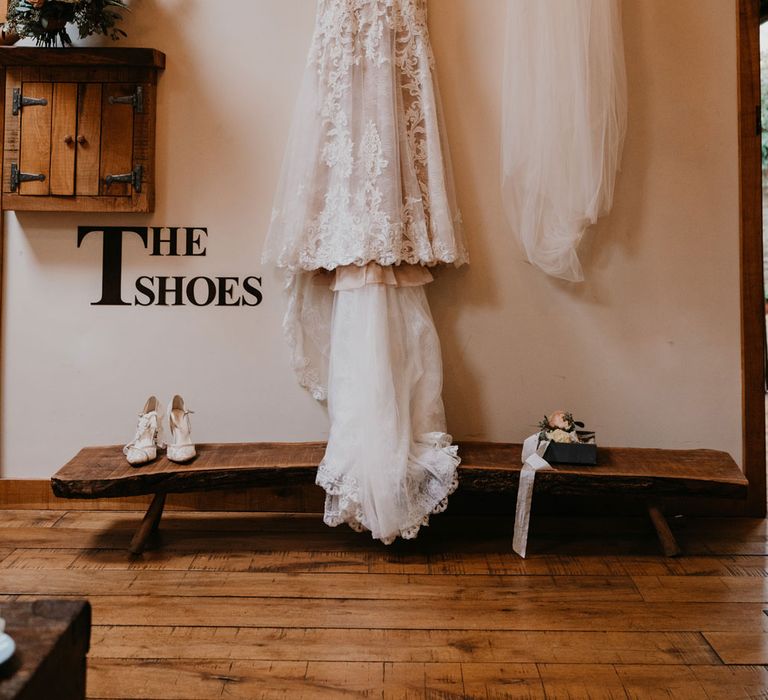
(751, 244)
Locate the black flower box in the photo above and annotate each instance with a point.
(583, 453)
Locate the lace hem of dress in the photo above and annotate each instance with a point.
(432, 476)
(363, 247)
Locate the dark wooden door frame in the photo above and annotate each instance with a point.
(751, 254)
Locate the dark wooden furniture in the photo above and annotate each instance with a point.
(52, 639)
(102, 472)
(80, 128)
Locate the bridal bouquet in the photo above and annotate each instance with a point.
(46, 21)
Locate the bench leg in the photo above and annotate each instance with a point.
(149, 524)
(666, 538)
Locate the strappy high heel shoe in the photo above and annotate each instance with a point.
(143, 448)
(180, 446)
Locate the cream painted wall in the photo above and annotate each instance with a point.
(646, 351)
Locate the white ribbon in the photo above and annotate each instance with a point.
(533, 461)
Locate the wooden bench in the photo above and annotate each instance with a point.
(102, 472)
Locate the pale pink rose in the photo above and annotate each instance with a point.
(558, 420)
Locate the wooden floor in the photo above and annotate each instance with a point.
(250, 606)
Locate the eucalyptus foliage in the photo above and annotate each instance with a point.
(47, 25)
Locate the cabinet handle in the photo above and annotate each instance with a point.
(82, 140)
(69, 140)
(134, 177)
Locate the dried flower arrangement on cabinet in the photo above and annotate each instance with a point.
(46, 21)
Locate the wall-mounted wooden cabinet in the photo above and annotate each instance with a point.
(80, 129)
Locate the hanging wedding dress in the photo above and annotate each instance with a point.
(565, 117)
(365, 207)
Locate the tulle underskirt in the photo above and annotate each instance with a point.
(389, 463)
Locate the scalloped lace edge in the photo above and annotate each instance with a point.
(429, 489)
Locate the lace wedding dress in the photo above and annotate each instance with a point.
(364, 208)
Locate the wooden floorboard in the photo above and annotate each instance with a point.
(251, 606)
(664, 681)
(426, 646)
(436, 540)
(704, 589)
(464, 564)
(394, 587)
(733, 682)
(739, 648)
(593, 681)
(428, 614)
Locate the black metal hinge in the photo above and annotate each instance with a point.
(137, 100)
(19, 101)
(134, 177)
(17, 177)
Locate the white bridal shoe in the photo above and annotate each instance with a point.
(144, 446)
(180, 446)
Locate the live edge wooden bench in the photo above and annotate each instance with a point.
(102, 472)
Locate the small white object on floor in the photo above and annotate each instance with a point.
(533, 461)
(7, 647)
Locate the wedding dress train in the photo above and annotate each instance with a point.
(389, 462)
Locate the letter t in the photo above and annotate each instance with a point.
(112, 260)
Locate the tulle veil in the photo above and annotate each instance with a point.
(564, 122)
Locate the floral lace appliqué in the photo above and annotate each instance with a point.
(383, 194)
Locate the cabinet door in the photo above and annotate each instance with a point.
(35, 140)
(116, 137)
(63, 138)
(88, 139)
